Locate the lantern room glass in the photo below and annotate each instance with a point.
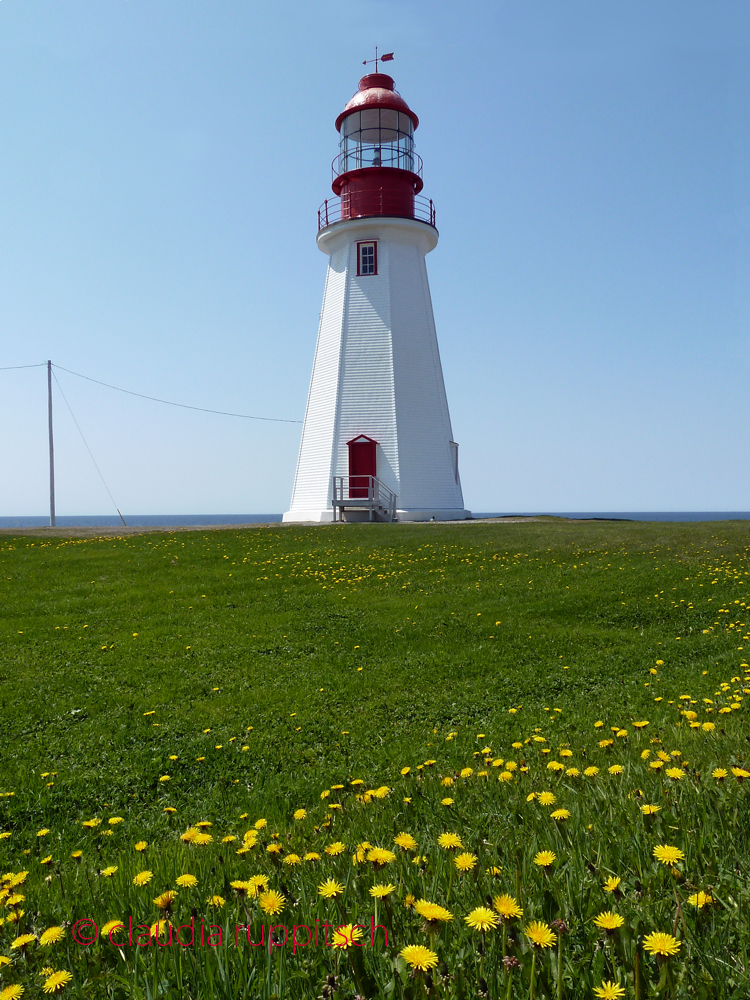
(376, 137)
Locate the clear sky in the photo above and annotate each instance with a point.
(161, 164)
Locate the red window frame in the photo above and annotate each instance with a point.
(374, 245)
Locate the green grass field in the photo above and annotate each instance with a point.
(230, 677)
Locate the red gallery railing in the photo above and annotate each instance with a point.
(337, 210)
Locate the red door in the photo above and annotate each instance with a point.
(362, 465)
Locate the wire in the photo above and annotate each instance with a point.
(184, 406)
(87, 447)
(12, 368)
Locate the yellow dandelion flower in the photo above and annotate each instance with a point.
(609, 921)
(23, 941)
(272, 902)
(405, 841)
(560, 814)
(335, 849)
(545, 858)
(661, 944)
(346, 935)
(540, 934)
(507, 907)
(432, 912)
(418, 957)
(649, 810)
(465, 861)
(217, 901)
(330, 889)
(143, 878)
(667, 854)
(52, 935)
(482, 919)
(382, 891)
(300, 814)
(546, 798)
(608, 989)
(450, 841)
(109, 871)
(700, 899)
(57, 981)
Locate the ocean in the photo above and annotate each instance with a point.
(199, 520)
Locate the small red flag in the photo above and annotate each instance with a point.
(387, 57)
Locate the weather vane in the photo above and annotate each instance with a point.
(386, 57)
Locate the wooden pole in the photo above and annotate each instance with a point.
(51, 449)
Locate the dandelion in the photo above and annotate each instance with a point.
(667, 854)
(648, 810)
(165, 900)
(560, 814)
(12, 992)
(466, 861)
(432, 912)
(335, 849)
(109, 871)
(700, 899)
(609, 990)
(345, 935)
(380, 857)
(258, 884)
(507, 907)
(272, 902)
(217, 901)
(675, 773)
(661, 944)
(57, 981)
(540, 934)
(419, 957)
(450, 841)
(300, 814)
(311, 856)
(405, 841)
(241, 887)
(22, 942)
(143, 878)
(591, 772)
(482, 919)
(616, 769)
(446, 802)
(382, 891)
(330, 889)
(546, 798)
(545, 858)
(110, 927)
(609, 921)
(719, 773)
(52, 935)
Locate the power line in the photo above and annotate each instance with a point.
(12, 368)
(91, 454)
(169, 402)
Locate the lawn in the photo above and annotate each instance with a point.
(384, 680)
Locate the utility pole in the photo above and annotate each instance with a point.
(51, 449)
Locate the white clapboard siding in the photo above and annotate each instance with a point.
(377, 372)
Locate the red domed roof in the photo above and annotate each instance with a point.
(376, 91)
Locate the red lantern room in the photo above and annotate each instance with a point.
(377, 172)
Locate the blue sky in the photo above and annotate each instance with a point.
(161, 165)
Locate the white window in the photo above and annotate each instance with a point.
(367, 258)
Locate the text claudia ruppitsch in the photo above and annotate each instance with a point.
(202, 935)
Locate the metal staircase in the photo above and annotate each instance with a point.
(363, 493)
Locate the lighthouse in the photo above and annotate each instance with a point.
(377, 442)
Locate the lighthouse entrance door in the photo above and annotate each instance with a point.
(362, 465)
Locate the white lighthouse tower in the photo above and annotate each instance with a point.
(377, 441)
